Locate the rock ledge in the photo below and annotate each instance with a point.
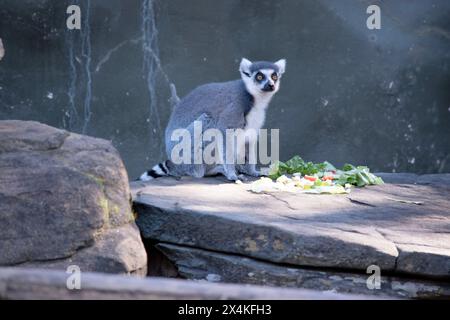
(403, 227)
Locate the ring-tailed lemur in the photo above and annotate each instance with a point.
(239, 104)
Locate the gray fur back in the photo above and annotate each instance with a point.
(211, 99)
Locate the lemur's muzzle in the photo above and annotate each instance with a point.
(269, 87)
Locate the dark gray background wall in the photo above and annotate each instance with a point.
(375, 97)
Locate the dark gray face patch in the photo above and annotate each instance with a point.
(260, 77)
(263, 65)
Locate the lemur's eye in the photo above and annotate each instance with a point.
(259, 76)
(274, 77)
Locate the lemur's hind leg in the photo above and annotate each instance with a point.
(230, 174)
(197, 170)
(193, 170)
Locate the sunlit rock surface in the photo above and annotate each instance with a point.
(210, 226)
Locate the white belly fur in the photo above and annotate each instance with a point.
(254, 121)
(257, 115)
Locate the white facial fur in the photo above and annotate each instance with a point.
(256, 117)
(256, 89)
(281, 64)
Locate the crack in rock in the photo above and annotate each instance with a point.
(283, 201)
(362, 203)
(385, 236)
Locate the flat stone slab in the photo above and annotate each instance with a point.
(19, 283)
(198, 264)
(403, 226)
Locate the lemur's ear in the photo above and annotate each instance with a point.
(281, 64)
(244, 67)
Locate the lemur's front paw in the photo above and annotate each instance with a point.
(251, 172)
(229, 171)
(243, 178)
(264, 171)
(254, 173)
(232, 176)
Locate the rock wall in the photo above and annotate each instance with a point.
(350, 94)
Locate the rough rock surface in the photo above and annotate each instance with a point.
(199, 264)
(19, 283)
(65, 199)
(403, 226)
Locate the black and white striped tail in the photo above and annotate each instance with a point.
(160, 170)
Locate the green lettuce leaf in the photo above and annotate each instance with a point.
(349, 174)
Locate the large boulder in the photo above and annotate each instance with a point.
(65, 200)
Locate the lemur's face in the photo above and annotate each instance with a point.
(262, 78)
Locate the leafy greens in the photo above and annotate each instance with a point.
(355, 175)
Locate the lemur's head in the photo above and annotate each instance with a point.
(262, 77)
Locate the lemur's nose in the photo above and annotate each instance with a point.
(269, 87)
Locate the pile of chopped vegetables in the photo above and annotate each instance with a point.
(296, 175)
